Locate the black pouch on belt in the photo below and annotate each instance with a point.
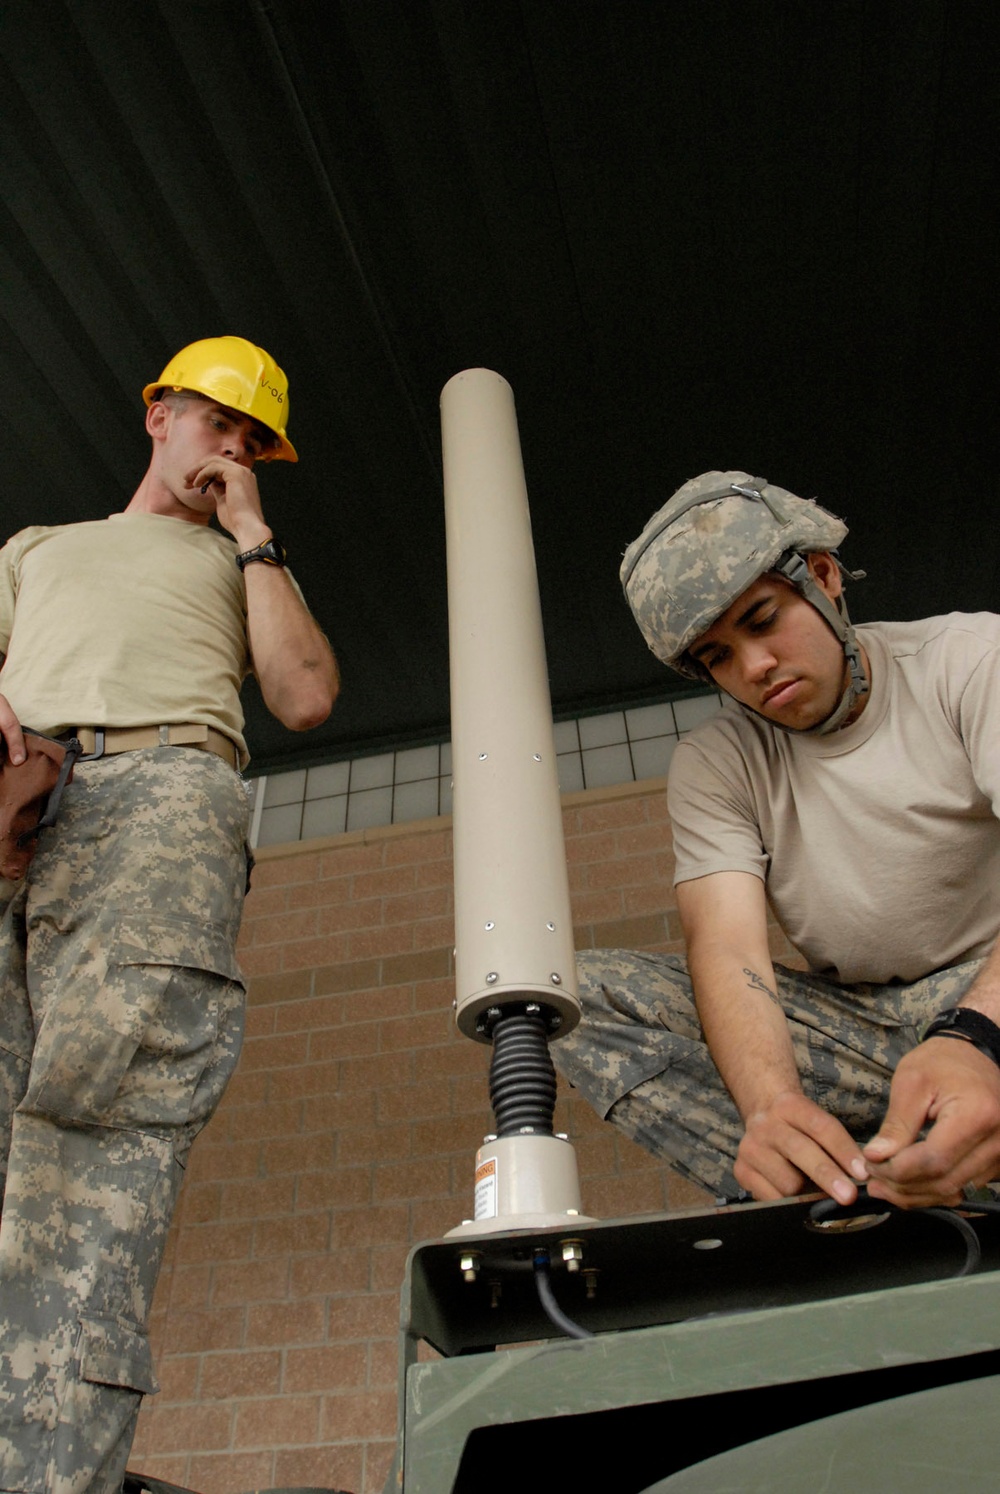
(30, 795)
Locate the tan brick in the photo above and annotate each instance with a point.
(248, 1086)
(217, 1473)
(413, 1102)
(436, 874)
(321, 893)
(236, 1376)
(429, 964)
(282, 1323)
(346, 859)
(200, 1202)
(433, 1218)
(434, 902)
(259, 1022)
(383, 1363)
(619, 1198)
(329, 1368)
(250, 1281)
(366, 944)
(215, 1242)
(415, 1032)
(263, 901)
(260, 964)
(373, 1144)
(274, 1052)
(332, 1112)
(276, 1118)
(294, 1155)
(289, 986)
(378, 1465)
(370, 1226)
(631, 933)
(188, 1286)
(178, 1376)
(328, 950)
(384, 882)
(257, 1198)
(459, 1133)
(459, 1056)
(333, 1273)
(345, 1187)
(359, 1416)
(347, 1041)
(324, 1467)
(611, 816)
(363, 1006)
(342, 976)
(597, 847)
(364, 1317)
(435, 933)
(302, 924)
(306, 1016)
(310, 1079)
(435, 995)
(388, 1266)
(428, 846)
(378, 1071)
(344, 917)
(589, 907)
(196, 1332)
(281, 1419)
(427, 1178)
(276, 871)
(300, 1234)
(227, 1159)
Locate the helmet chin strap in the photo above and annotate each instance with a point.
(795, 569)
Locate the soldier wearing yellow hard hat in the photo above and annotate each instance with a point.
(129, 637)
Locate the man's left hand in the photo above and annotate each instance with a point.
(948, 1085)
(237, 499)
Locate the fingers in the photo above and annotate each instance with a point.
(10, 730)
(794, 1141)
(950, 1084)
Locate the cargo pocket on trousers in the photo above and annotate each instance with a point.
(115, 1353)
(133, 1050)
(111, 1370)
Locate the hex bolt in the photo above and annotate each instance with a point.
(590, 1283)
(556, 978)
(572, 1254)
(496, 1289)
(469, 1264)
(489, 925)
(551, 927)
(492, 978)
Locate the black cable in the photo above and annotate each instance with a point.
(550, 1306)
(828, 1209)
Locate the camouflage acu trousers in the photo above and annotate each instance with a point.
(640, 1059)
(121, 1015)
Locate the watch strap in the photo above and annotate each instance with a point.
(271, 552)
(963, 1022)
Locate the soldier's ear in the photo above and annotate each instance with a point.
(158, 419)
(826, 573)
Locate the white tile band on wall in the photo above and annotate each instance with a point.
(414, 783)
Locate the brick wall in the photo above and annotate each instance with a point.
(348, 1134)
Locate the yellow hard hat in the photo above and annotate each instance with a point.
(237, 374)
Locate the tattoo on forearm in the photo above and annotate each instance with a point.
(756, 984)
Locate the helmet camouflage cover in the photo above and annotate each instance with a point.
(705, 546)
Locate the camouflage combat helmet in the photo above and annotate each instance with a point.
(715, 537)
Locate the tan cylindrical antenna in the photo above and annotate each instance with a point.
(512, 914)
(514, 958)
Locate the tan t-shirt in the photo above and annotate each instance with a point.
(879, 844)
(136, 620)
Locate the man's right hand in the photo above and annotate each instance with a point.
(791, 1143)
(10, 730)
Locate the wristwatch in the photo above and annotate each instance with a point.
(271, 552)
(963, 1022)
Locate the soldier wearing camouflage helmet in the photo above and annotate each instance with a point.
(121, 1002)
(851, 785)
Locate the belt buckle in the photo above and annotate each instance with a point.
(89, 757)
